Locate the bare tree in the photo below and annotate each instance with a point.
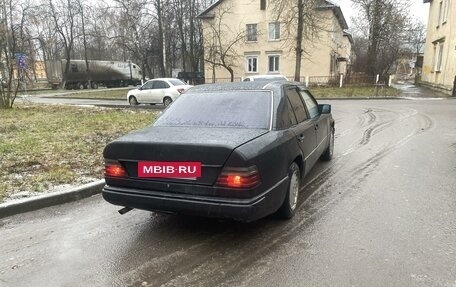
(416, 35)
(383, 23)
(64, 14)
(221, 40)
(360, 45)
(14, 40)
(158, 35)
(303, 24)
(189, 33)
(81, 7)
(135, 29)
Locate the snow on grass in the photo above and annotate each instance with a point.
(43, 148)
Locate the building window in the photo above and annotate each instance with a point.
(438, 63)
(333, 64)
(439, 20)
(251, 64)
(434, 54)
(251, 32)
(445, 10)
(274, 31)
(262, 4)
(273, 63)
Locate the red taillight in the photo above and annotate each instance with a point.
(114, 169)
(239, 177)
(181, 91)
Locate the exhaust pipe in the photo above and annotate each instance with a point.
(125, 210)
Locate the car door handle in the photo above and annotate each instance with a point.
(301, 138)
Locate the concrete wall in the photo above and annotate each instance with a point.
(440, 33)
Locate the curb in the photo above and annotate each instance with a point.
(80, 98)
(359, 98)
(387, 98)
(51, 199)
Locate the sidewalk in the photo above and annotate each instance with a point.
(411, 91)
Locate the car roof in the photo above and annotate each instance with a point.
(242, 86)
(164, 79)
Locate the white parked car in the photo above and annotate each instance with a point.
(157, 91)
(266, 78)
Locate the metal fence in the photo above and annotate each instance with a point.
(345, 80)
(222, 80)
(328, 81)
(365, 80)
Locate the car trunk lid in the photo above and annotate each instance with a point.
(209, 146)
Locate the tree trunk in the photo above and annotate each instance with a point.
(299, 37)
(67, 70)
(374, 34)
(231, 73)
(161, 38)
(89, 78)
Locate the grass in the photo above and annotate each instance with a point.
(354, 92)
(42, 147)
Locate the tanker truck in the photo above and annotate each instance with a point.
(101, 73)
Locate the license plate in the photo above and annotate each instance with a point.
(177, 170)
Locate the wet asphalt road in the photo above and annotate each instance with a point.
(382, 213)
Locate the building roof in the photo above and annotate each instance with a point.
(326, 4)
(349, 36)
(204, 13)
(336, 10)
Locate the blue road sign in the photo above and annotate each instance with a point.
(21, 60)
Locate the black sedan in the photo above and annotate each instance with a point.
(237, 150)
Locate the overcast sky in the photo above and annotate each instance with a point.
(418, 9)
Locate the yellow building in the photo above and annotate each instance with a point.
(34, 73)
(262, 43)
(40, 71)
(439, 67)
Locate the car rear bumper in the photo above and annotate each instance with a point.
(239, 209)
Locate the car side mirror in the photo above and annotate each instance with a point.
(324, 109)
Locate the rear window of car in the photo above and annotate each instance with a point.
(176, 82)
(242, 109)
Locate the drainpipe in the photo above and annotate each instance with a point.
(454, 87)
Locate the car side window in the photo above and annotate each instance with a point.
(290, 113)
(311, 104)
(297, 104)
(285, 116)
(147, 86)
(160, 85)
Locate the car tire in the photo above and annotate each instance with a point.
(167, 101)
(328, 154)
(94, 85)
(81, 86)
(133, 101)
(290, 203)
